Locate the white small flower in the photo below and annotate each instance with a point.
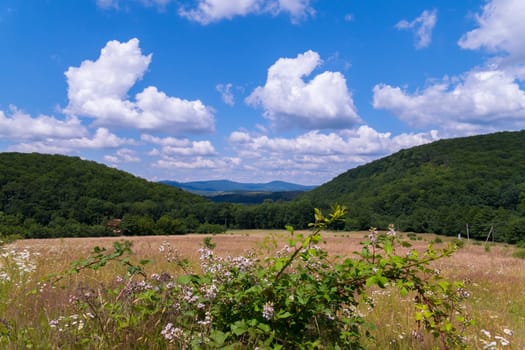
(503, 341)
(207, 319)
(170, 333)
(490, 346)
(211, 292)
(268, 310)
(508, 331)
(486, 333)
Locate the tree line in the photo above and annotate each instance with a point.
(439, 187)
(60, 196)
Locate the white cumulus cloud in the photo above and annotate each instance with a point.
(316, 154)
(102, 139)
(98, 89)
(208, 11)
(21, 126)
(290, 101)
(171, 146)
(123, 155)
(422, 27)
(501, 28)
(222, 165)
(482, 100)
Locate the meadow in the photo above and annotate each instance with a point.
(37, 311)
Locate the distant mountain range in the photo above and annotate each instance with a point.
(220, 187)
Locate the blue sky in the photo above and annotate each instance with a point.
(255, 90)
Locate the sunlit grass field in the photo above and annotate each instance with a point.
(494, 281)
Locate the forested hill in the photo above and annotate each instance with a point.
(41, 193)
(439, 187)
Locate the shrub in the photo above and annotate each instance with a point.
(519, 253)
(298, 298)
(458, 242)
(210, 228)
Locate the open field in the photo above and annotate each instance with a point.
(494, 280)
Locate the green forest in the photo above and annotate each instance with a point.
(60, 196)
(440, 187)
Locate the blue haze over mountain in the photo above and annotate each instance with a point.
(214, 187)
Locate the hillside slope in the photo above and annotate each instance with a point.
(439, 187)
(39, 190)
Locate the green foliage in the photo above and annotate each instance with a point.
(458, 242)
(52, 195)
(439, 187)
(59, 196)
(210, 228)
(519, 253)
(298, 298)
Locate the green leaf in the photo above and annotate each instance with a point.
(387, 247)
(377, 280)
(264, 327)
(283, 314)
(218, 337)
(239, 327)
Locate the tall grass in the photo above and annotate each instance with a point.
(30, 306)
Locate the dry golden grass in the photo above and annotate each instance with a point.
(495, 280)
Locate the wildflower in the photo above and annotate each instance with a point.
(170, 332)
(486, 333)
(54, 323)
(4, 276)
(268, 310)
(503, 341)
(188, 296)
(490, 346)
(164, 277)
(507, 331)
(372, 236)
(463, 293)
(417, 335)
(391, 230)
(211, 292)
(207, 319)
(242, 263)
